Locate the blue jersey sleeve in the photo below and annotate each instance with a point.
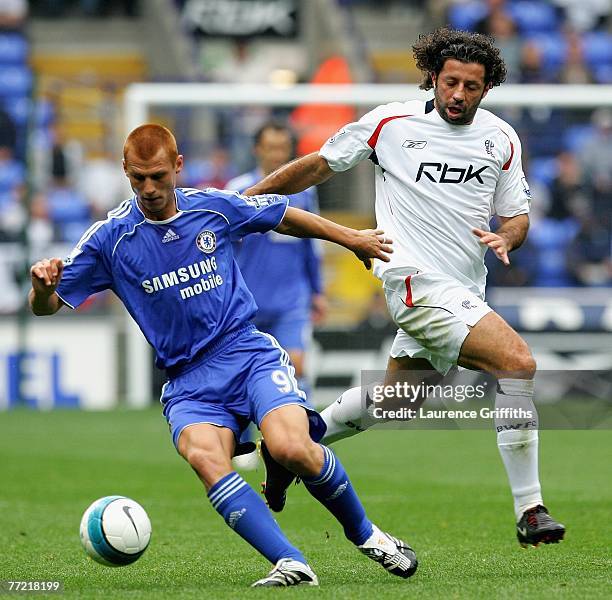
(85, 272)
(253, 214)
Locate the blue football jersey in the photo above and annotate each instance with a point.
(177, 278)
(282, 272)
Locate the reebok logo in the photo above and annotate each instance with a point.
(169, 236)
(414, 144)
(448, 174)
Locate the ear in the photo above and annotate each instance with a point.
(486, 91)
(434, 79)
(178, 167)
(124, 166)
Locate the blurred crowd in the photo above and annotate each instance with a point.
(567, 154)
(56, 9)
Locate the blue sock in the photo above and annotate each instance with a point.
(245, 512)
(333, 489)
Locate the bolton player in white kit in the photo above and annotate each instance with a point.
(444, 168)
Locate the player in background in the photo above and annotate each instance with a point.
(285, 311)
(288, 290)
(167, 254)
(443, 169)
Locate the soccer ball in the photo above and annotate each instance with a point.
(115, 531)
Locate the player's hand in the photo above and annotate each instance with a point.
(46, 275)
(496, 242)
(318, 308)
(371, 243)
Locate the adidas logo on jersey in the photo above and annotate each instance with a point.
(169, 236)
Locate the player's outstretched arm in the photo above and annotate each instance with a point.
(294, 177)
(508, 237)
(46, 275)
(366, 244)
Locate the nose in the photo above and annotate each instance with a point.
(148, 189)
(459, 93)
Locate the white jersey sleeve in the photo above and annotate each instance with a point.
(356, 141)
(512, 196)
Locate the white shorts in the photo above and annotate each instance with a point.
(433, 312)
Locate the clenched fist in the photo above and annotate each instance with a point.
(46, 275)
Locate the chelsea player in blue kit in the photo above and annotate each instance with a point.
(286, 311)
(167, 254)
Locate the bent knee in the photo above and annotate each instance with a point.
(515, 362)
(294, 454)
(287, 451)
(207, 464)
(199, 457)
(522, 364)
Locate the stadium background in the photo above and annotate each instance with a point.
(65, 66)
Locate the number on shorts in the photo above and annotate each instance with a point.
(282, 381)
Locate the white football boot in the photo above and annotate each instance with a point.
(288, 572)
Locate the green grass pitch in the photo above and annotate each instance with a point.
(445, 492)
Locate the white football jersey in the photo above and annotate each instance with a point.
(435, 182)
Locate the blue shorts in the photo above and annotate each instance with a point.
(290, 328)
(239, 382)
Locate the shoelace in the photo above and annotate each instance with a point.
(532, 515)
(389, 561)
(392, 561)
(284, 577)
(532, 519)
(399, 543)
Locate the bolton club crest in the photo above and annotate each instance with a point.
(206, 241)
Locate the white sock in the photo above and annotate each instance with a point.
(517, 440)
(246, 462)
(343, 417)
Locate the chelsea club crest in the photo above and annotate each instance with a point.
(206, 241)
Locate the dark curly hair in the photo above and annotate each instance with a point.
(433, 49)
